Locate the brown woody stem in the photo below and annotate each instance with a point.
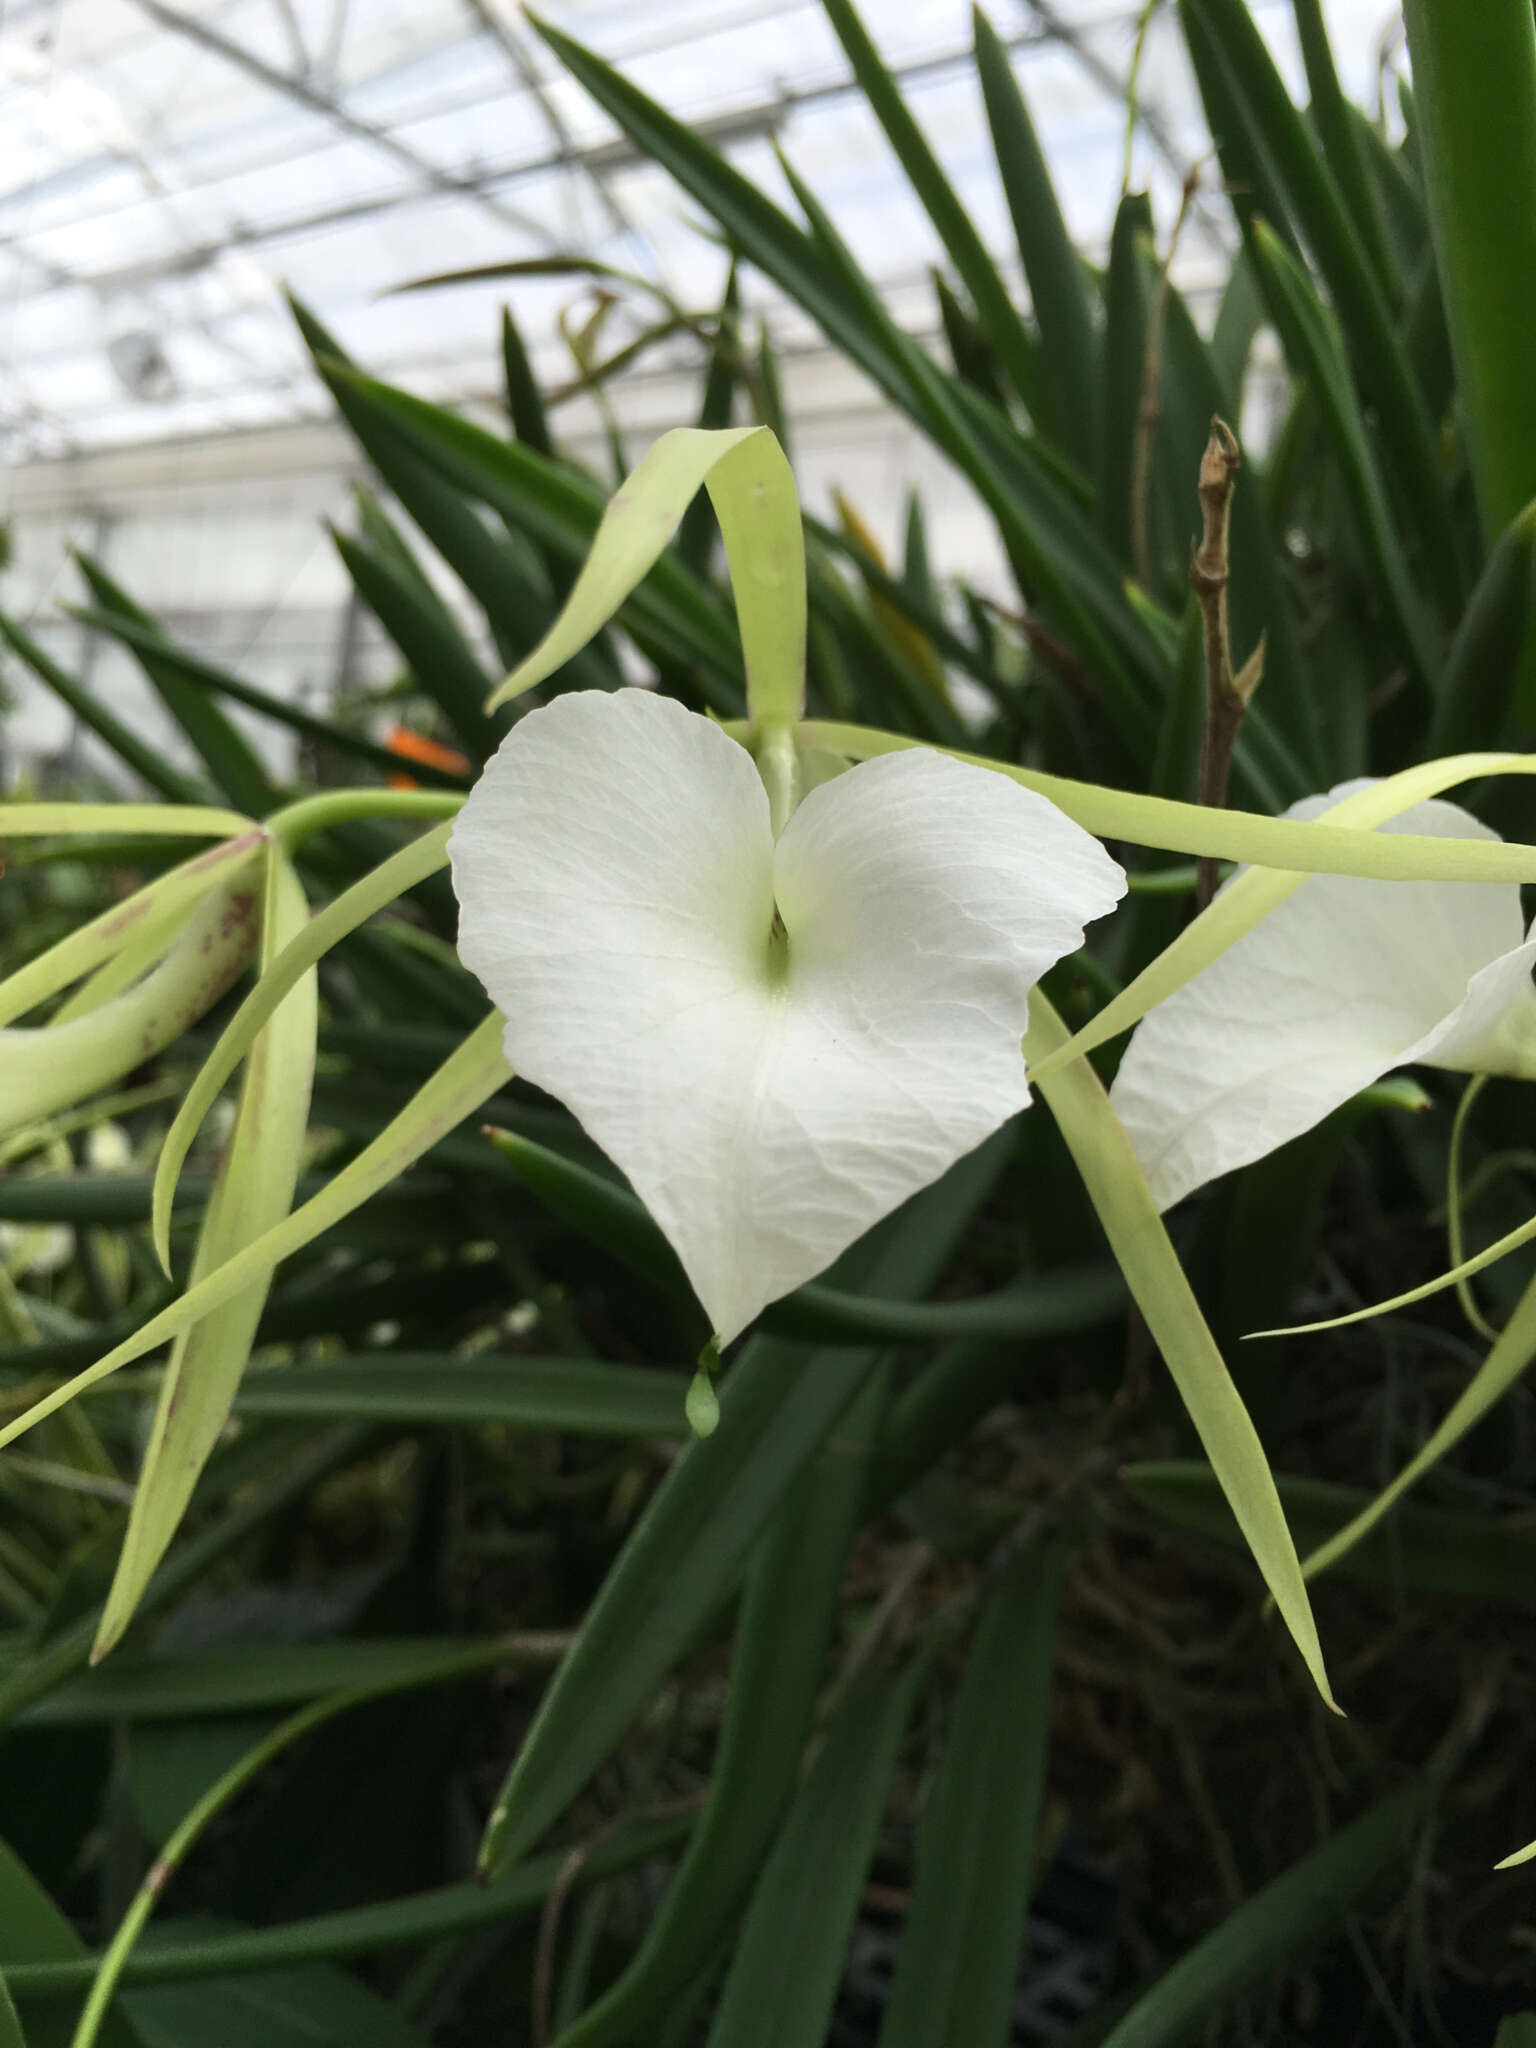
(1227, 696)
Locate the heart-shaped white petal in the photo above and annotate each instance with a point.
(1344, 981)
(769, 1094)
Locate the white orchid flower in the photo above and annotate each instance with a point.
(777, 1041)
(1344, 981)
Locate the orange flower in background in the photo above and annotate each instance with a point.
(415, 746)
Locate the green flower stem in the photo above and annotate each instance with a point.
(297, 822)
(778, 763)
(1474, 70)
(455, 1664)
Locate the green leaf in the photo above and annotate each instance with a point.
(525, 407)
(789, 1960)
(146, 761)
(1518, 2031)
(575, 1396)
(611, 1216)
(1287, 1919)
(406, 1922)
(957, 1970)
(777, 1665)
(316, 2006)
(1475, 73)
(11, 2035)
(696, 533)
(1068, 394)
(1336, 123)
(1316, 205)
(217, 1681)
(970, 357)
(224, 750)
(1314, 354)
(1429, 1550)
(253, 1192)
(272, 1477)
(1042, 525)
(1488, 684)
(1239, 317)
(487, 564)
(776, 1407)
(1000, 320)
(1113, 1178)
(435, 651)
(202, 675)
(34, 1931)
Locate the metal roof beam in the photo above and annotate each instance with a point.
(306, 95)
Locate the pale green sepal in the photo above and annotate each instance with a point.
(752, 489)
(311, 940)
(180, 821)
(1244, 836)
(156, 906)
(640, 518)
(1146, 1257)
(254, 1191)
(41, 1070)
(1511, 1241)
(1493, 1379)
(466, 1079)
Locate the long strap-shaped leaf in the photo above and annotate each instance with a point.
(957, 1970)
(1475, 70)
(688, 1551)
(1000, 319)
(1286, 1919)
(1112, 1175)
(777, 1666)
(254, 1192)
(1314, 353)
(464, 1081)
(791, 1956)
(1318, 208)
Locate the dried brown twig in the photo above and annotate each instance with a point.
(1227, 696)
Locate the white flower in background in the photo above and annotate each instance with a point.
(1345, 980)
(776, 1042)
(108, 1148)
(36, 1249)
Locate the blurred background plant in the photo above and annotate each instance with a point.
(932, 1701)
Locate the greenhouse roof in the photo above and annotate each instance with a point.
(166, 168)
